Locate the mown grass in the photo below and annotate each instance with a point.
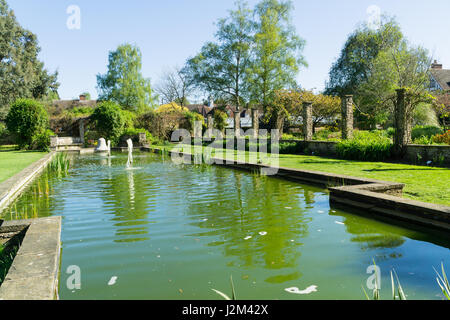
(13, 161)
(427, 184)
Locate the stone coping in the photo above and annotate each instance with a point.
(378, 198)
(34, 272)
(12, 187)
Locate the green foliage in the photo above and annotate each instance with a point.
(26, 119)
(124, 83)
(277, 51)
(366, 146)
(220, 120)
(60, 164)
(358, 55)
(41, 141)
(80, 112)
(425, 131)
(443, 138)
(22, 75)
(190, 119)
(129, 118)
(425, 115)
(109, 121)
(134, 134)
(221, 66)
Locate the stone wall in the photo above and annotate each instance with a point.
(414, 154)
(438, 155)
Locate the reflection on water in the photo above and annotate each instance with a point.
(171, 231)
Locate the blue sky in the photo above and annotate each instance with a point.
(170, 31)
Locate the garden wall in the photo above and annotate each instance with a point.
(415, 154)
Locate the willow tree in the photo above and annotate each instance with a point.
(124, 83)
(277, 55)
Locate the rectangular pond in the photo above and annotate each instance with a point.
(166, 231)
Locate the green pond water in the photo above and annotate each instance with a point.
(166, 231)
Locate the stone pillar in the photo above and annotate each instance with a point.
(210, 122)
(255, 123)
(347, 117)
(308, 121)
(237, 123)
(81, 129)
(142, 139)
(402, 125)
(53, 142)
(198, 130)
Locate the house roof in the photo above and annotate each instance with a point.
(442, 76)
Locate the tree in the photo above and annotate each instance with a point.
(124, 83)
(26, 119)
(175, 86)
(109, 120)
(220, 67)
(358, 55)
(403, 66)
(22, 75)
(276, 53)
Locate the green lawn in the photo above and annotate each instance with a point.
(427, 184)
(12, 162)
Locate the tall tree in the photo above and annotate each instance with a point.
(277, 52)
(358, 55)
(220, 67)
(123, 83)
(22, 75)
(175, 86)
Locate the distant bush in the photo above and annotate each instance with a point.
(442, 138)
(366, 146)
(425, 131)
(133, 133)
(26, 120)
(423, 140)
(109, 121)
(327, 135)
(81, 111)
(41, 141)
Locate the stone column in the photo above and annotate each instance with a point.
(402, 125)
(347, 117)
(81, 128)
(210, 122)
(255, 123)
(142, 139)
(307, 121)
(53, 142)
(237, 123)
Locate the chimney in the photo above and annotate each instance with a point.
(436, 65)
(82, 97)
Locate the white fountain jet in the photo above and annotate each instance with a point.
(130, 153)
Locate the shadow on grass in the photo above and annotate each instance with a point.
(403, 169)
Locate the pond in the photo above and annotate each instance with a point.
(167, 231)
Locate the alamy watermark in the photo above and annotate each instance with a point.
(74, 20)
(217, 147)
(74, 280)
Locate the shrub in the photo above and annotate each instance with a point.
(26, 119)
(442, 138)
(425, 131)
(220, 120)
(109, 121)
(423, 140)
(365, 146)
(133, 133)
(41, 141)
(129, 119)
(190, 119)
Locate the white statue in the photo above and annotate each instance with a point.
(102, 146)
(130, 153)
